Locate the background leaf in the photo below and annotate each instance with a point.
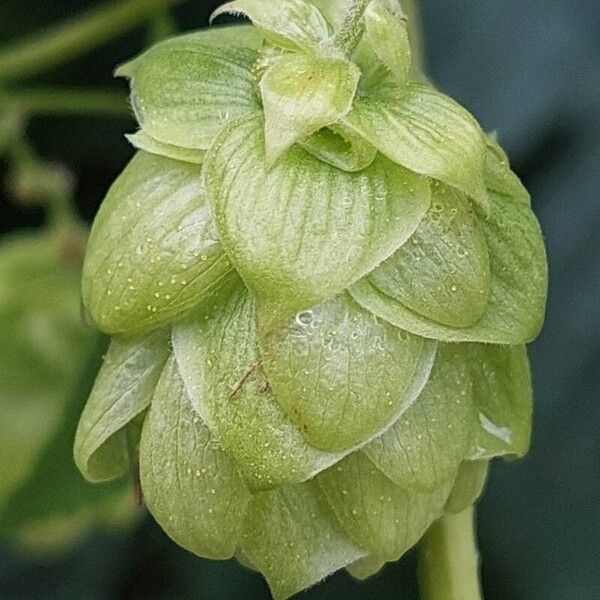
(42, 350)
(54, 491)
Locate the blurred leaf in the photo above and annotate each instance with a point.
(55, 488)
(45, 352)
(42, 349)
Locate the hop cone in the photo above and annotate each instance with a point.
(320, 276)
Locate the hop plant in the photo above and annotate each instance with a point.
(320, 276)
(44, 349)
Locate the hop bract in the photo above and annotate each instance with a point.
(319, 275)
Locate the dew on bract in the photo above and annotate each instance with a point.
(304, 318)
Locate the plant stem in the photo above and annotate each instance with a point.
(73, 38)
(45, 184)
(352, 27)
(448, 559)
(49, 101)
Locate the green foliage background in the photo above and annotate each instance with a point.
(530, 71)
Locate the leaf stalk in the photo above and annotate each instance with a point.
(66, 41)
(66, 101)
(448, 567)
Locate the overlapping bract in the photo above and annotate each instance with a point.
(287, 313)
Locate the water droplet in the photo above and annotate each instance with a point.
(304, 318)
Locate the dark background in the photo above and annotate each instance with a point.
(529, 69)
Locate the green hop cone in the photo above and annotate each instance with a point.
(320, 276)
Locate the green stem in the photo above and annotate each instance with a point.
(73, 38)
(162, 26)
(352, 27)
(45, 184)
(49, 101)
(448, 559)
